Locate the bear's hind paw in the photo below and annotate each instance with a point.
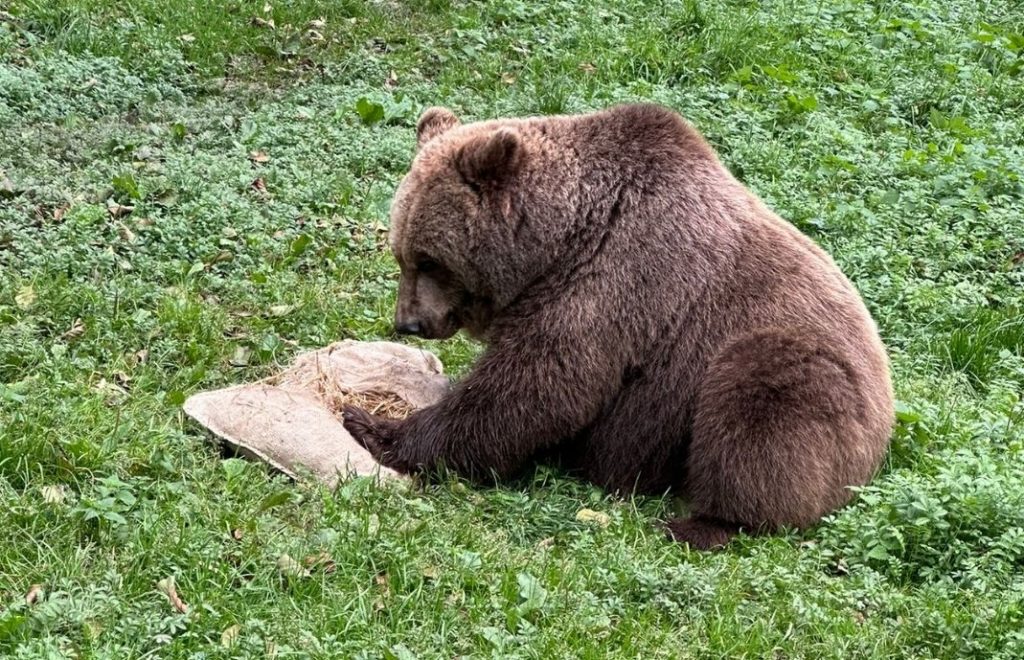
(701, 533)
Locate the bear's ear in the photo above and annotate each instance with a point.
(491, 158)
(432, 123)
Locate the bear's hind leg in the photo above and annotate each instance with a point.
(778, 437)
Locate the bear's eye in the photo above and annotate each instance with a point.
(426, 265)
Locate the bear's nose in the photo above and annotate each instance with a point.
(409, 328)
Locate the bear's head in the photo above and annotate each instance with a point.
(464, 223)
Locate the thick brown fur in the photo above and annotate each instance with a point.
(646, 318)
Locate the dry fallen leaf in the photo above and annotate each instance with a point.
(92, 629)
(52, 494)
(7, 188)
(34, 595)
(317, 24)
(113, 393)
(259, 186)
(168, 587)
(383, 583)
(259, 157)
(590, 516)
(263, 23)
(587, 67)
(431, 572)
(76, 330)
(508, 78)
(291, 568)
(241, 356)
(230, 635)
(455, 598)
(321, 561)
(314, 35)
(58, 213)
(118, 210)
(281, 310)
(392, 80)
(187, 38)
(544, 544)
(140, 356)
(236, 534)
(126, 234)
(25, 297)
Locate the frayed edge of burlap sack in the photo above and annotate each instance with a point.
(292, 422)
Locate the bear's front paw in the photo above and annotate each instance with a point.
(376, 434)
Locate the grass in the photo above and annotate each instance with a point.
(890, 132)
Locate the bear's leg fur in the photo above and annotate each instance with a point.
(701, 532)
(521, 399)
(776, 440)
(638, 444)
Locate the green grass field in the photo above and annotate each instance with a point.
(189, 196)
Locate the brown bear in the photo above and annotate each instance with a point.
(647, 320)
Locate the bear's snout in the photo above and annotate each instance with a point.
(409, 327)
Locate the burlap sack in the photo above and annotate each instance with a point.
(291, 420)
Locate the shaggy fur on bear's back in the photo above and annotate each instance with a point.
(647, 319)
